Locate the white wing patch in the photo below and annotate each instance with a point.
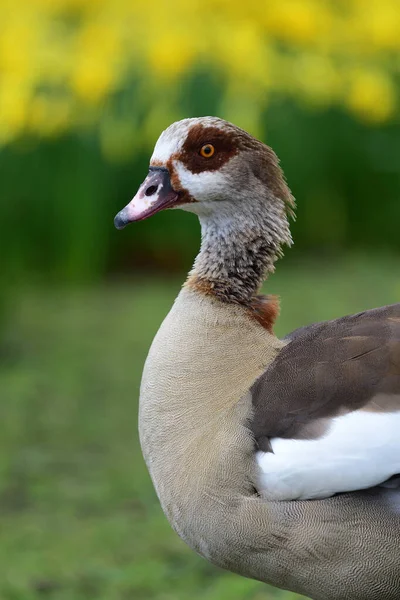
(360, 450)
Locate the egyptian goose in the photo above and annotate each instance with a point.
(240, 429)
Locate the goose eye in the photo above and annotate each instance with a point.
(207, 150)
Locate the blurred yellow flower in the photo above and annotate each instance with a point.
(381, 24)
(49, 116)
(96, 62)
(92, 79)
(16, 40)
(302, 21)
(371, 95)
(316, 79)
(91, 54)
(14, 99)
(170, 54)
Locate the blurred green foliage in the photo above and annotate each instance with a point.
(59, 198)
(79, 518)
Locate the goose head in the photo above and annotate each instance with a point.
(210, 167)
(234, 183)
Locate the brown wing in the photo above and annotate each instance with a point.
(328, 369)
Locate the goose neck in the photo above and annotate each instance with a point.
(238, 251)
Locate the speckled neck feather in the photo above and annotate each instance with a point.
(238, 252)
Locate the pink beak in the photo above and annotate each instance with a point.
(154, 194)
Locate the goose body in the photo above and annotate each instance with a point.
(239, 428)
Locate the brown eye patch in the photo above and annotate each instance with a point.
(223, 142)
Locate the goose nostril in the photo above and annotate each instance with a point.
(151, 190)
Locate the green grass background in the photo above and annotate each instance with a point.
(78, 515)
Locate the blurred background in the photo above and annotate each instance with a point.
(86, 87)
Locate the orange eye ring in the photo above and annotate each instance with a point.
(207, 151)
